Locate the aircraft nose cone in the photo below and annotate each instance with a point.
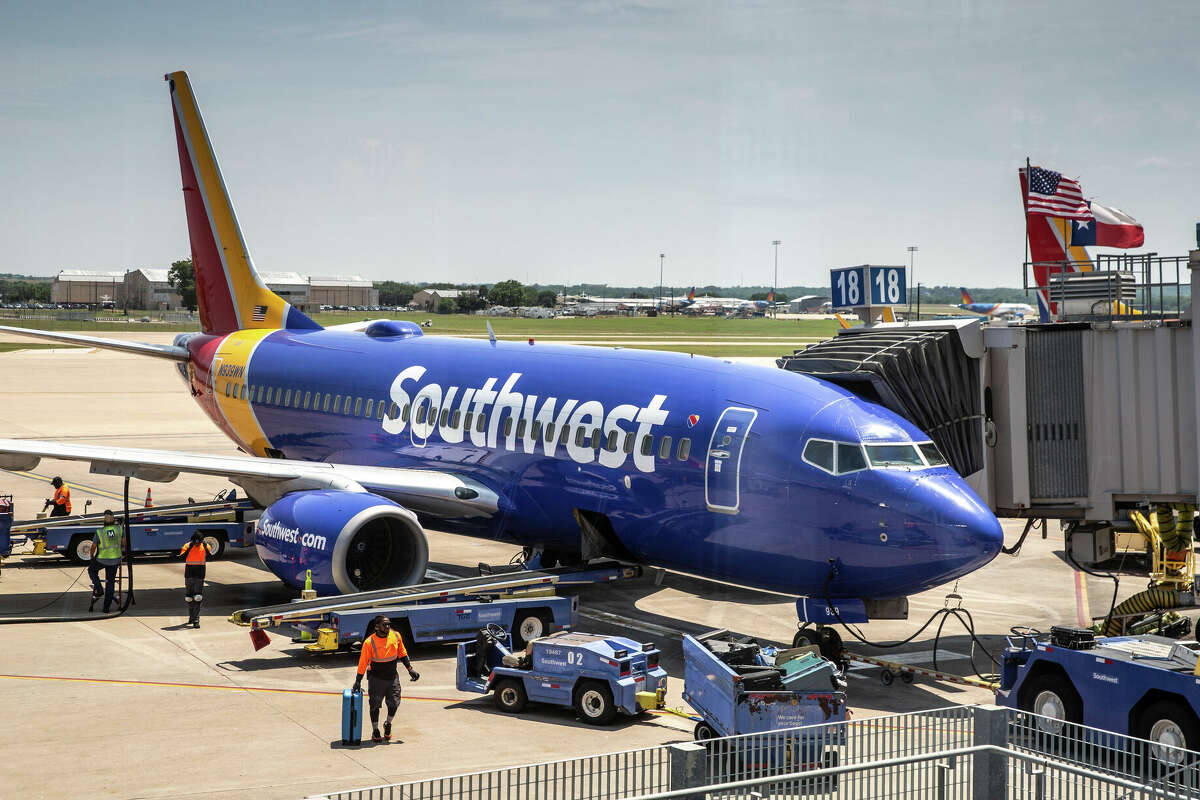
(961, 532)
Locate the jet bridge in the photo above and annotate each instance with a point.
(1081, 420)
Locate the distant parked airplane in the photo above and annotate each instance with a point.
(994, 309)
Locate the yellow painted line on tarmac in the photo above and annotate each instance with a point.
(220, 687)
(82, 487)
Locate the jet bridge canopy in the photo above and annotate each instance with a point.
(924, 375)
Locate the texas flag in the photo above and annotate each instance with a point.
(1108, 227)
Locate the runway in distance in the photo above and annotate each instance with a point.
(1019, 310)
(359, 437)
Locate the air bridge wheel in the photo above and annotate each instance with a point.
(510, 695)
(1172, 727)
(1054, 700)
(594, 703)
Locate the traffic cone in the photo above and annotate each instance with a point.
(149, 502)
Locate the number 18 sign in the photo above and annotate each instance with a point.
(868, 286)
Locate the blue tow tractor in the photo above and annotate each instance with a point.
(599, 676)
(1143, 686)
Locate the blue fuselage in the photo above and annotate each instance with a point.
(697, 463)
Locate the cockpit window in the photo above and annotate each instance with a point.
(850, 458)
(894, 455)
(819, 453)
(932, 454)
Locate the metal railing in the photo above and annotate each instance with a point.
(1139, 287)
(975, 752)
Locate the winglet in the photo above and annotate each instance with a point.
(491, 333)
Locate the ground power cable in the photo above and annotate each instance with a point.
(126, 594)
(943, 613)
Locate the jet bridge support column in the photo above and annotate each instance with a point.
(1194, 273)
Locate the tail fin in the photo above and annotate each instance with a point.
(966, 297)
(229, 292)
(692, 295)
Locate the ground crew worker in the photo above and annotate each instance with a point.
(380, 652)
(61, 501)
(194, 557)
(107, 549)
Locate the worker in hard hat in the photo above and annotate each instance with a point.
(61, 501)
(107, 551)
(195, 554)
(380, 652)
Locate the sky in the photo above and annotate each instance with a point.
(560, 142)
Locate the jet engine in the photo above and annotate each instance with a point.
(352, 541)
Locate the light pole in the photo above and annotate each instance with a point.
(775, 286)
(912, 275)
(661, 256)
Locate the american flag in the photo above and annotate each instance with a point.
(1055, 196)
(260, 314)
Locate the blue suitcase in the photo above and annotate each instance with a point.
(352, 717)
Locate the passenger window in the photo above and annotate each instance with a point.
(521, 429)
(596, 439)
(287, 398)
(629, 437)
(307, 399)
(850, 458)
(380, 407)
(346, 404)
(480, 423)
(685, 449)
(535, 431)
(420, 417)
(611, 444)
(296, 400)
(370, 409)
(579, 433)
(456, 419)
(228, 388)
(243, 391)
(564, 434)
(819, 453)
(507, 426)
(647, 445)
(358, 407)
(664, 449)
(445, 417)
(404, 413)
(260, 394)
(394, 411)
(337, 404)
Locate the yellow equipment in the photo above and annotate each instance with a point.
(327, 641)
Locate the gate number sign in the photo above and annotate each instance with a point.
(869, 286)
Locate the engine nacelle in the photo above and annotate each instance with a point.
(352, 541)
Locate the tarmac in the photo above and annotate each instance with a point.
(142, 707)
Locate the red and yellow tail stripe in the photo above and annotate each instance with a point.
(229, 291)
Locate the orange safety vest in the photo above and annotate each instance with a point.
(376, 649)
(62, 497)
(195, 553)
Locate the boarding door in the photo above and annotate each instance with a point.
(724, 462)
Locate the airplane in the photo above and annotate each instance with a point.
(725, 304)
(358, 438)
(994, 309)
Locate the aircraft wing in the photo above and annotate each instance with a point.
(140, 348)
(439, 494)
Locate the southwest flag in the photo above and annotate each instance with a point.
(1109, 227)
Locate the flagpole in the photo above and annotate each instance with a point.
(1025, 269)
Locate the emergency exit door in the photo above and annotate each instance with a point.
(724, 462)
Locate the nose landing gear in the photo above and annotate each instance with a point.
(824, 637)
